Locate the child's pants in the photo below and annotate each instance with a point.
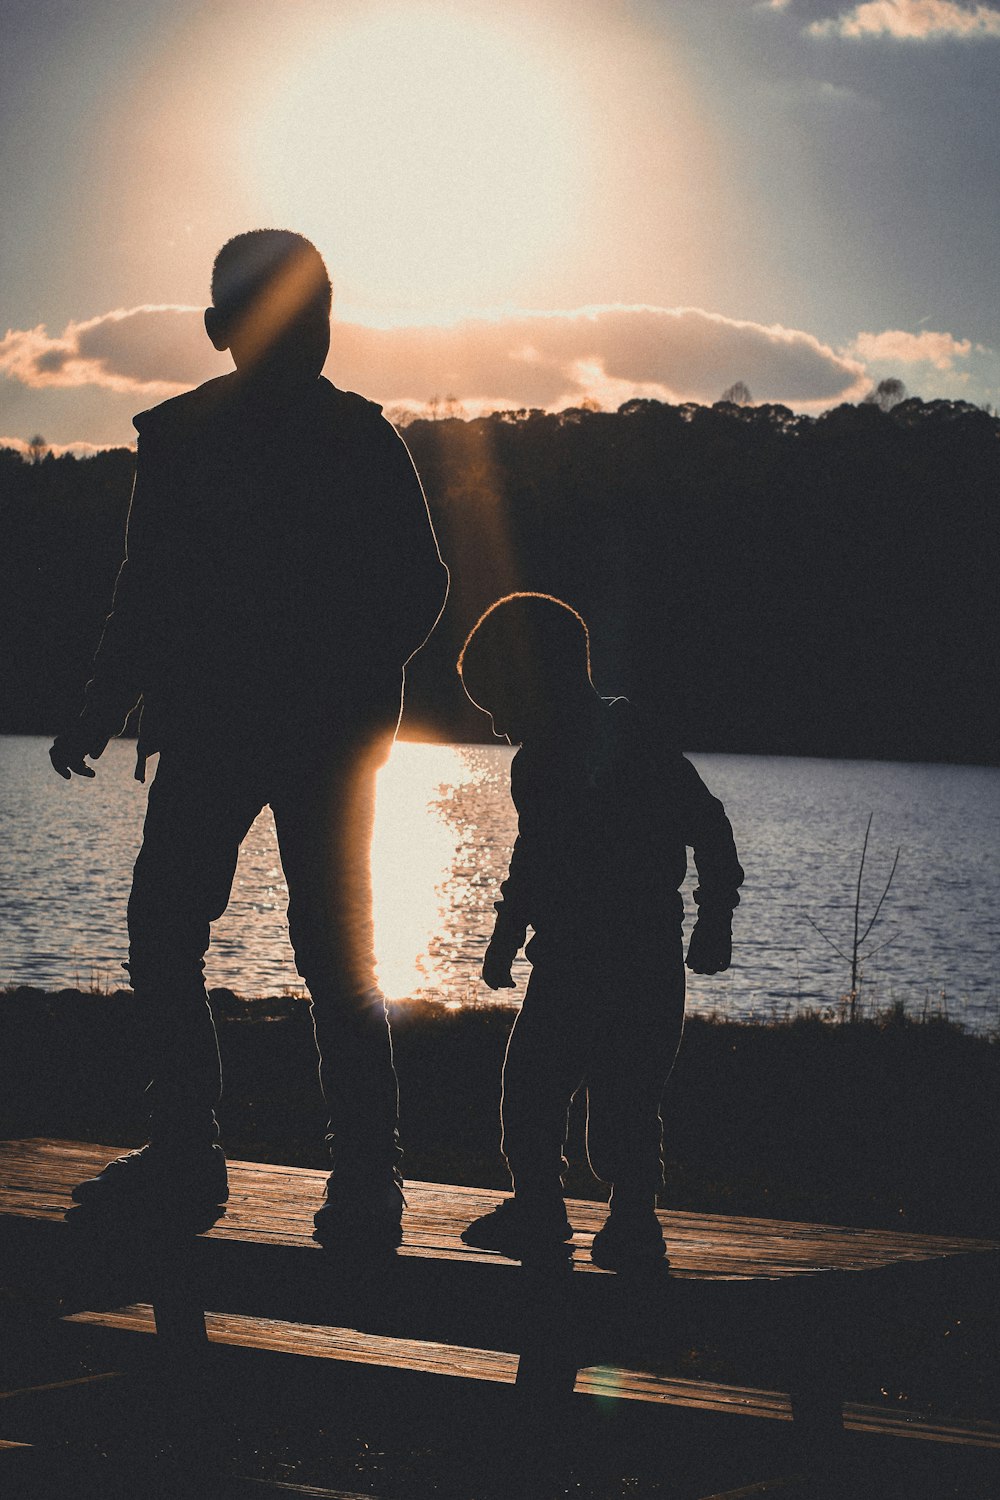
(611, 1024)
(200, 810)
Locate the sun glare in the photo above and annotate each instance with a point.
(413, 851)
(436, 158)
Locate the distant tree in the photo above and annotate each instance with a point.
(452, 407)
(638, 517)
(887, 394)
(737, 394)
(433, 408)
(37, 448)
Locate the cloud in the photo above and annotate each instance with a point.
(151, 351)
(894, 346)
(608, 354)
(913, 21)
(548, 359)
(820, 92)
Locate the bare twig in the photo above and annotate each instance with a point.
(857, 909)
(856, 957)
(885, 893)
(872, 951)
(839, 952)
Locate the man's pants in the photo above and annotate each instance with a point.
(611, 1024)
(200, 810)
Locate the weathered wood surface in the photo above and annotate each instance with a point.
(347, 1346)
(816, 1293)
(821, 1298)
(273, 1205)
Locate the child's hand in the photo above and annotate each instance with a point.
(68, 751)
(710, 949)
(496, 968)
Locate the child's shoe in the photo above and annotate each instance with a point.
(630, 1241)
(184, 1188)
(359, 1216)
(522, 1227)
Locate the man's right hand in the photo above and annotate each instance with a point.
(496, 969)
(69, 749)
(710, 949)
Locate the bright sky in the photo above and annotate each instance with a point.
(521, 204)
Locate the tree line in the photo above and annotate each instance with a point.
(764, 582)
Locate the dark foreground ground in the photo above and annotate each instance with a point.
(883, 1123)
(365, 1432)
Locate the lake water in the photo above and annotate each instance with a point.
(443, 836)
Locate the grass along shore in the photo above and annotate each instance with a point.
(888, 1121)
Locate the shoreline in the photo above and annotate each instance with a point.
(889, 1121)
(420, 734)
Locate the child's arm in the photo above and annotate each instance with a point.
(511, 924)
(709, 833)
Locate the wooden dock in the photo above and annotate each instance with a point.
(273, 1205)
(825, 1301)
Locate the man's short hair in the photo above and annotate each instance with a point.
(250, 263)
(521, 638)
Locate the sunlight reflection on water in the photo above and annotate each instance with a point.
(444, 829)
(434, 864)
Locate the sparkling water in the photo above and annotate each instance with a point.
(444, 830)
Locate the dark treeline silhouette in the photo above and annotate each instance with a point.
(772, 583)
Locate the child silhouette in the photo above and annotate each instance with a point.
(605, 812)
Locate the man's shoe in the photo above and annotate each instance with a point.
(158, 1183)
(520, 1228)
(630, 1242)
(358, 1216)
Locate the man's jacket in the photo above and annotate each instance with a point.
(280, 568)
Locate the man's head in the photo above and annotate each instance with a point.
(271, 299)
(526, 662)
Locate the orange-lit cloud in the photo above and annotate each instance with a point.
(894, 346)
(547, 360)
(913, 21)
(151, 350)
(606, 353)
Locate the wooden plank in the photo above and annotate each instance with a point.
(270, 1288)
(772, 1282)
(346, 1345)
(22, 1391)
(792, 1484)
(273, 1205)
(285, 1487)
(775, 1283)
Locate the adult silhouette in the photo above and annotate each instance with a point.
(280, 570)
